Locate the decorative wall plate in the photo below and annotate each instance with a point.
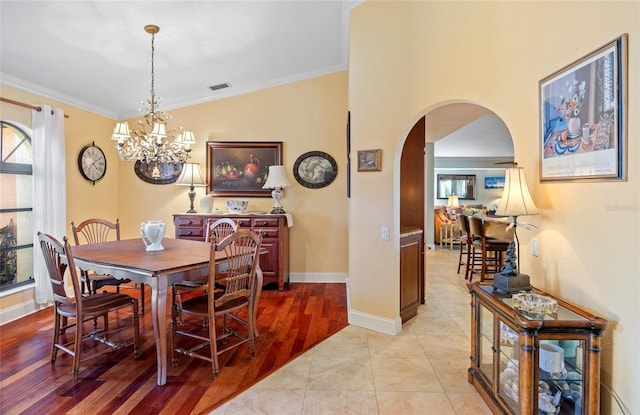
(315, 169)
(157, 173)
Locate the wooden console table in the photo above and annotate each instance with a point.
(524, 363)
(274, 230)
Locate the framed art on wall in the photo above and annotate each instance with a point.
(315, 169)
(240, 168)
(157, 173)
(583, 117)
(369, 160)
(494, 182)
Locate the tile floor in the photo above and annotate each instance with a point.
(423, 370)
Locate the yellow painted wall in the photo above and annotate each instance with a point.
(407, 58)
(308, 115)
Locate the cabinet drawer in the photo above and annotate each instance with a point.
(267, 232)
(190, 221)
(189, 232)
(244, 222)
(265, 223)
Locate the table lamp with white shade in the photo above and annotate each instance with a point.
(191, 176)
(516, 201)
(277, 180)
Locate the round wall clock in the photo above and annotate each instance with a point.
(92, 163)
(315, 169)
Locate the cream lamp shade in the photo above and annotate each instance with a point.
(453, 201)
(277, 180)
(516, 200)
(191, 176)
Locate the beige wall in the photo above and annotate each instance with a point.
(407, 58)
(308, 115)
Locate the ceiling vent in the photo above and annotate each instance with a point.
(219, 86)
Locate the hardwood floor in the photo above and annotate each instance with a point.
(289, 321)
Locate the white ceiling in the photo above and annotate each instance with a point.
(97, 56)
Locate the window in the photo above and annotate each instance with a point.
(16, 206)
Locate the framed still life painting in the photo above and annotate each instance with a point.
(240, 168)
(583, 114)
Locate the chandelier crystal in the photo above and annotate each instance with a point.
(150, 141)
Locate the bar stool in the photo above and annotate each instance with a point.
(489, 250)
(465, 244)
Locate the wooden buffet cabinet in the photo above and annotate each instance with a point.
(274, 230)
(510, 350)
(411, 271)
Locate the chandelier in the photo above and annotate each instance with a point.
(150, 141)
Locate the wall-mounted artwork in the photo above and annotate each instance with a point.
(582, 115)
(494, 182)
(369, 160)
(240, 168)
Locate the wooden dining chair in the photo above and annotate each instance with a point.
(235, 301)
(216, 230)
(59, 259)
(93, 231)
(219, 229)
(486, 250)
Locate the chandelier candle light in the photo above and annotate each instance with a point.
(190, 176)
(516, 201)
(151, 141)
(277, 180)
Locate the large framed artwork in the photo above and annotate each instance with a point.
(583, 117)
(240, 168)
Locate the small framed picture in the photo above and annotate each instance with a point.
(491, 182)
(369, 160)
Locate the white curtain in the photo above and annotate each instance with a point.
(49, 189)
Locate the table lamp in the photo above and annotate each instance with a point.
(277, 180)
(191, 176)
(516, 201)
(453, 201)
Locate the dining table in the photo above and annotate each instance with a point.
(180, 260)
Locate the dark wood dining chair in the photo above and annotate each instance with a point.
(59, 259)
(216, 230)
(235, 301)
(93, 231)
(486, 250)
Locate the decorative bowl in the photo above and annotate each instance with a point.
(236, 206)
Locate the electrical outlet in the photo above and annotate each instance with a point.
(534, 246)
(385, 233)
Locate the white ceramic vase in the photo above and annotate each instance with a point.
(206, 203)
(152, 233)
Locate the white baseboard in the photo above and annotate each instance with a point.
(19, 310)
(322, 277)
(376, 323)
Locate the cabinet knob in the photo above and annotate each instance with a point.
(264, 222)
(264, 233)
(190, 233)
(190, 222)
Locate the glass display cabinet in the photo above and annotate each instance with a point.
(538, 360)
